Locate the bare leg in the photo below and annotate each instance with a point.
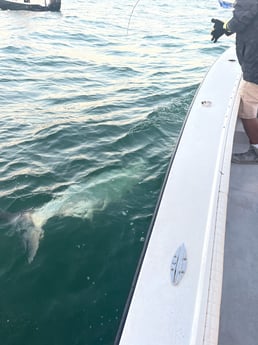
(251, 129)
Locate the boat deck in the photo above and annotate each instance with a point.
(239, 307)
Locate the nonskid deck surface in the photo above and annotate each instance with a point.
(239, 307)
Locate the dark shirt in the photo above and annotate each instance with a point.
(245, 24)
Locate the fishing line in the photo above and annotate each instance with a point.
(223, 3)
(131, 15)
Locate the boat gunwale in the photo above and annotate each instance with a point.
(151, 227)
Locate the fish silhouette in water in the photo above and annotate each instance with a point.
(80, 200)
(24, 224)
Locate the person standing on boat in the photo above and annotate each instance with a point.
(245, 24)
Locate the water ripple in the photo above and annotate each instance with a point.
(90, 115)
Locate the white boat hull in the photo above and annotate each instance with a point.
(31, 5)
(191, 212)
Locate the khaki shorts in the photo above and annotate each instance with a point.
(248, 108)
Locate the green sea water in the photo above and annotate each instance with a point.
(91, 110)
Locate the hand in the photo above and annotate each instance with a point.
(218, 30)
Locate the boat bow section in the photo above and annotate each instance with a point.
(176, 293)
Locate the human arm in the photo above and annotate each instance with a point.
(244, 13)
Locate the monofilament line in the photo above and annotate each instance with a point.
(131, 16)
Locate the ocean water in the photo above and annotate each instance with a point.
(92, 102)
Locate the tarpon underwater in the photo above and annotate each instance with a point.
(24, 224)
(79, 200)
